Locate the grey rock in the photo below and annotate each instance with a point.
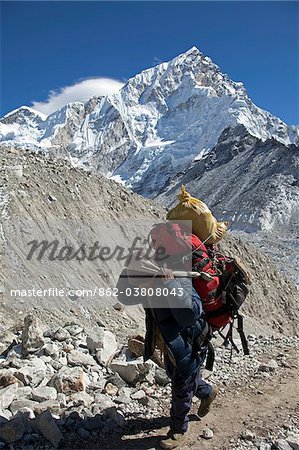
(32, 373)
(5, 415)
(7, 395)
(26, 412)
(247, 435)
(50, 349)
(139, 396)
(19, 404)
(32, 335)
(41, 394)
(104, 343)
(24, 392)
(265, 446)
(46, 425)
(61, 399)
(269, 367)
(122, 398)
(69, 380)
(74, 329)
(102, 402)
(81, 398)
(51, 405)
(13, 430)
(281, 444)
(161, 377)
(293, 440)
(78, 358)
(207, 433)
(61, 334)
(130, 371)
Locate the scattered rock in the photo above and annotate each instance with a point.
(50, 349)
(33, 373)
(207, 433)
(46, 425)
(103, 343)
(161, 377)
(281, 444)
(130, 371)
(7, 395)
(69, 380)
(74, 329)
(13, 430)
(111, 389)
(78, 358)
(82, 398)
(247, 435)
(269, 367)
(7, 378)
(17, 405)
(61, 334)
(41, 394)
(293, 440)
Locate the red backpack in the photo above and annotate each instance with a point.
(222, 284)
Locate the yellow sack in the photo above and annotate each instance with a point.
(204, 224)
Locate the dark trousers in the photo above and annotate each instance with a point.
(183, 389)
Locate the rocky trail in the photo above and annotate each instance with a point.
(259, 412)
(72, 389)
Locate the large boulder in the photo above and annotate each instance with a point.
(18, 405)
(46, 426)
(103, 343)
(69, 380)
(41, 394)
(13, 430)
(32, 373)
(78, 358)
(32, 336)
(7, 395)
(131, 371)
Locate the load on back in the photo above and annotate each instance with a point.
(204, 224)
(223, 281)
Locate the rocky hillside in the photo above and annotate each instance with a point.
(70, 377)
(56, 195)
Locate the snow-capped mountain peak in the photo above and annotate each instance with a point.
(155, 126)
(23, 113)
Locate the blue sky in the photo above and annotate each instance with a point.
(48, 46)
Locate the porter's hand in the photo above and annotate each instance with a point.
(168, 274)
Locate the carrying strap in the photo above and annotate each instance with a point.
(210, 357)
(204, 336)
(228, 339)
(240, 330)
(204, 339)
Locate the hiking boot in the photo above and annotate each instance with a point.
(173, 440)
(205, 403)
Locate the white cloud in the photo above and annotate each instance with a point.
(79, 92)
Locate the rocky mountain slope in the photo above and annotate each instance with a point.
(69, 376)
(56, 195)
(253, 184)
